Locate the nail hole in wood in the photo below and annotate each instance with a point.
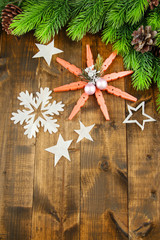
(104, 166)
(148, 157)
(153, 194)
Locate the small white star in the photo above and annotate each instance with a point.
(84, 132)
(47, 51)
(142, 104)
(61, 149)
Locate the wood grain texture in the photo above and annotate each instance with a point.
(17, 152)
(56, 200)
(104, 159)
(143, 172)
(110, 189)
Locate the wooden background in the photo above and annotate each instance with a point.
(109, 190)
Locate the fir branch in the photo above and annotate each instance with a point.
(158, 38)
(158, 102)
(130, 60)
(153, 19)
(121, 38)
(32, 15)
(47, 17)
(122, 45)
(117, 14)
(156, 71)
(109, 34)
(124, 38)
(142, 65)
(89, 19)
(136, 10)
(53, 21)
(76, 6)
(122, 11)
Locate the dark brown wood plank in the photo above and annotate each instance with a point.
(17, 73)
(56, 204)
(104, 162)
(87, 197)
(143, 171)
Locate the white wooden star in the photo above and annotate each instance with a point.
(130, 109)
(84, 132)
(61, 149)
(47, 51)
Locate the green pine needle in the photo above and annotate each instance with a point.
(122, 11)
(47, 17)
(156, 79)
(142, 65)
(31, 16)
(90, 18)
(117, 14)
(153, 19)
(158, 38)
(156, 71)
(158, 102)
(55, 19)
(109, 34)
(121, 38)
(136, 10)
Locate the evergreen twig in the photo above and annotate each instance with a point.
(47, 17)
(89, 18)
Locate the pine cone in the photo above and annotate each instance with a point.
(153, 3)
(8, 13)
(144, 39)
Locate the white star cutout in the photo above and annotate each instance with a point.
(84, 132)
(61, 149)
(142, 104)
(47, 51)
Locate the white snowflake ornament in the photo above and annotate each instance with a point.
(37, 112)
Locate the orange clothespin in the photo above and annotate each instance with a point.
(72, 68)
(119, 93)
(84, 97)
(71, 86)
(101, 102)
(89, 56)
(115, 76)
(108, 61)
(81, 84)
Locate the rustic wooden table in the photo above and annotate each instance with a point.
(109, 190)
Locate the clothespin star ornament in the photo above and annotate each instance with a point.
(94, 82)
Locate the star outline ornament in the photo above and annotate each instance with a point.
(82, 133)
(61, 149)
(47, 51)
(130, 108)
(98, 93)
